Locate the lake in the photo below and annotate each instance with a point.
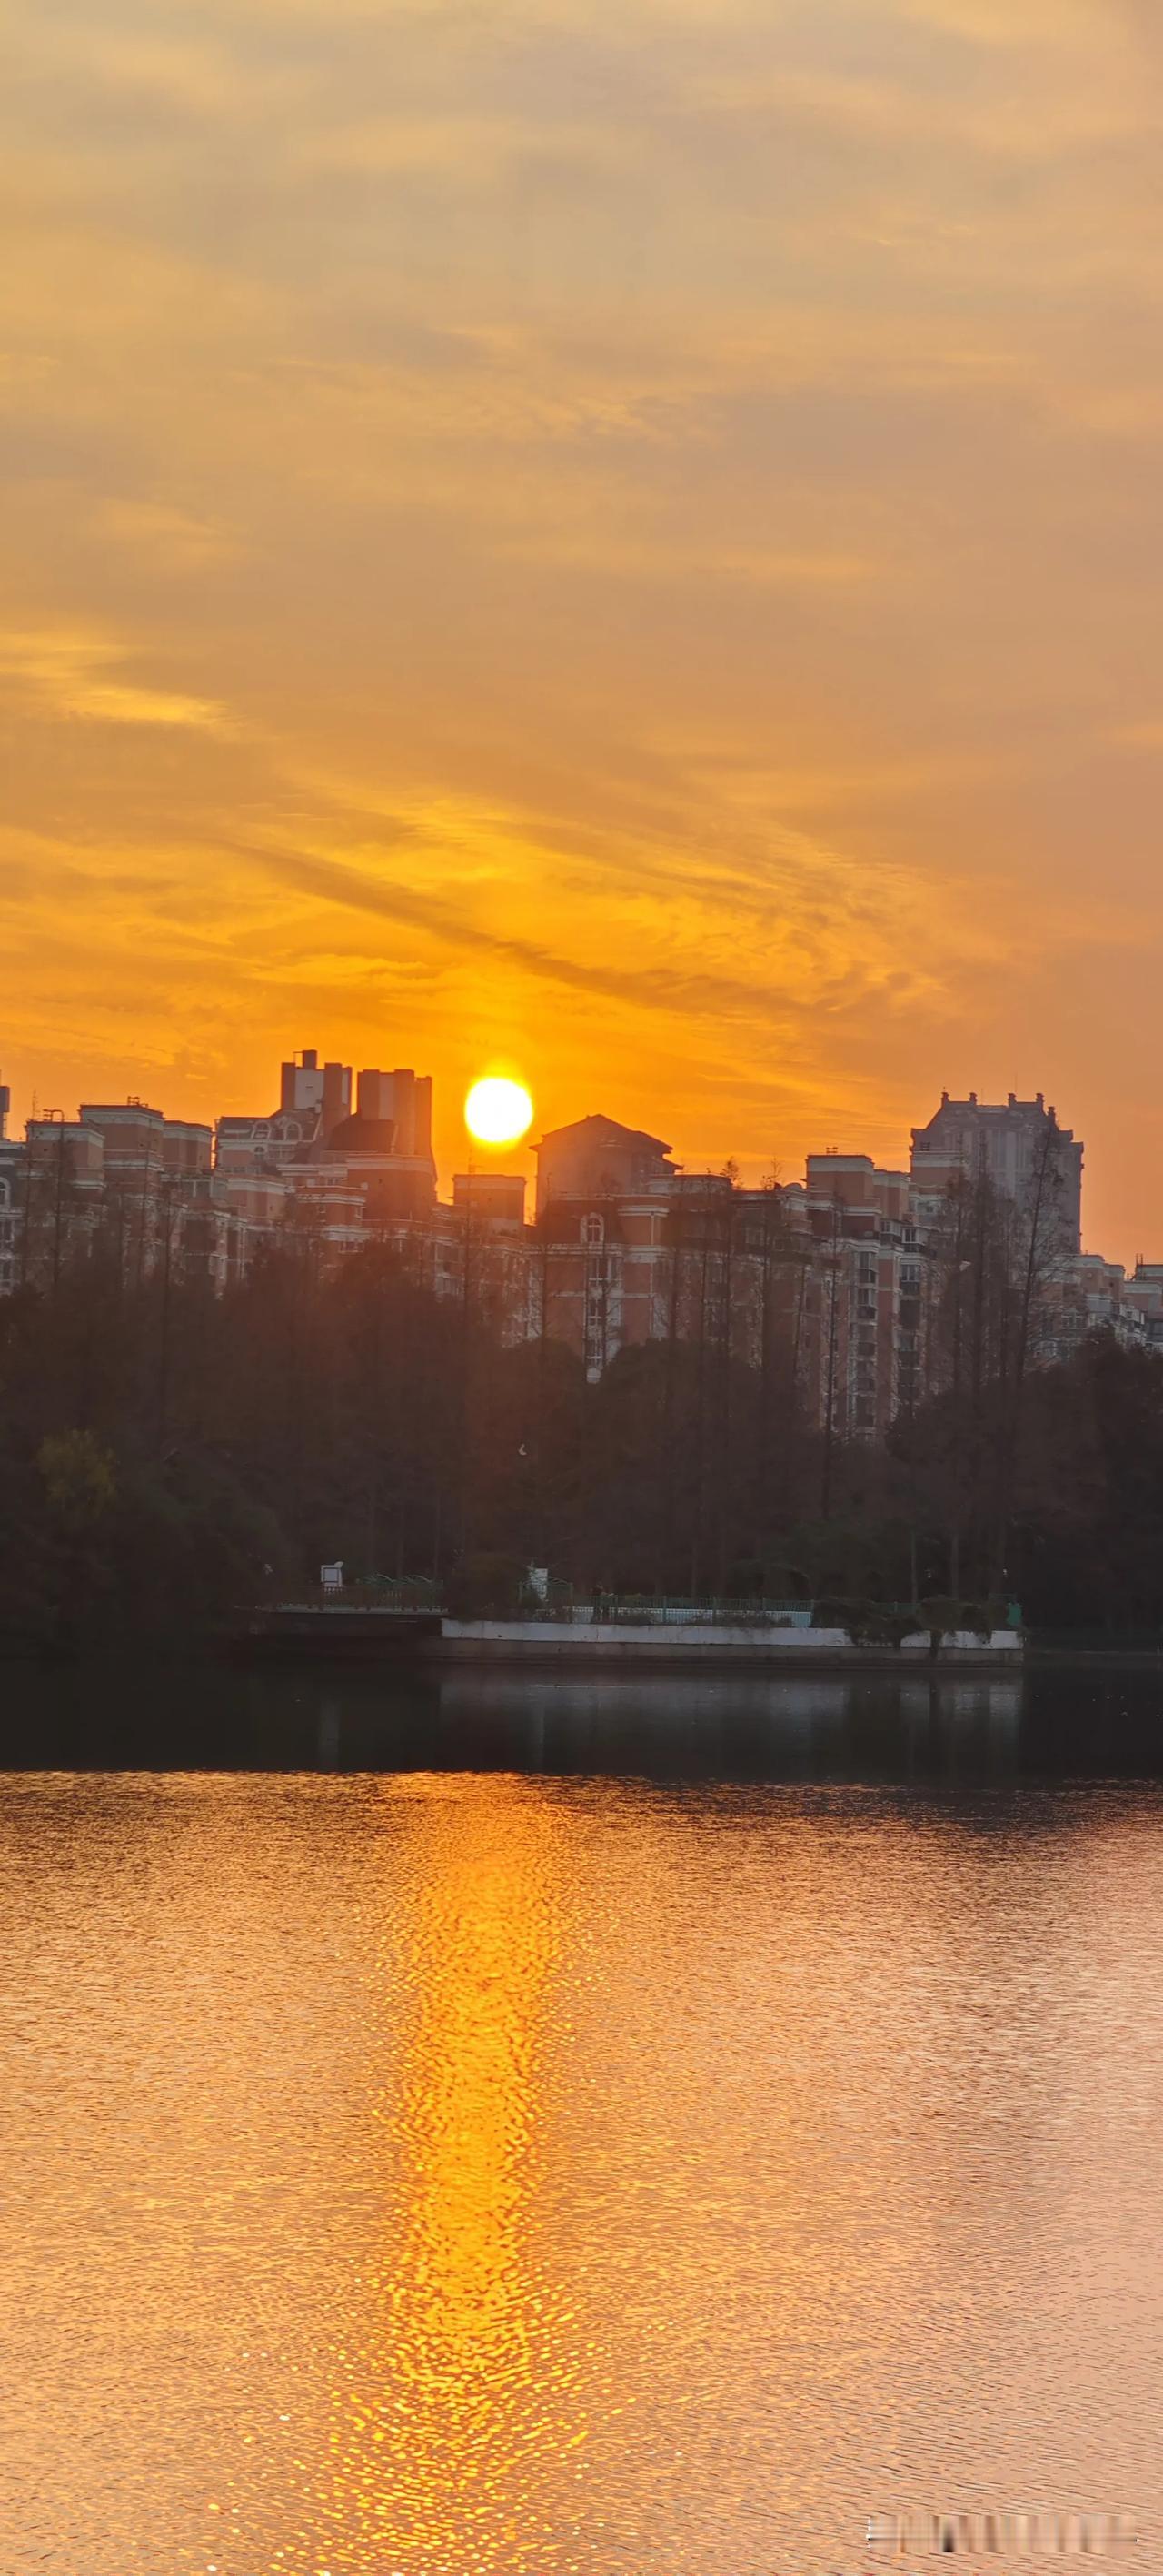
(613, 2126)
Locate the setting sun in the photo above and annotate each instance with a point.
(497, 1111)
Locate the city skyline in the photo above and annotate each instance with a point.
(306, 1075)
(886, 1145)
(620, 543)
(520, 1151)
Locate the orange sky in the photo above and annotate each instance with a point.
(620, 539)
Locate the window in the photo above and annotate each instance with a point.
(593, 1231)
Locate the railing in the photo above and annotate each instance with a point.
(634, 1611)
(419, 1593)
(382, 1593)
(640, 1611)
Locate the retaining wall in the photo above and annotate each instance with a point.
(551, 1640)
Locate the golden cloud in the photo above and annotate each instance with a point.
(65, 669)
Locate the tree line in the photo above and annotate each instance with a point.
(169, 1455)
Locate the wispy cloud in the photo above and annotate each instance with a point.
(629, 535)
(167, 539)
(68, 672)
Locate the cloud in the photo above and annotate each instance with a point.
(635, 529)
(1145, 736)
(170, 540)
(807, 912)
(66, 670)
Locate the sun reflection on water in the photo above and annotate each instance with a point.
(441, 2419)
(570, 2177)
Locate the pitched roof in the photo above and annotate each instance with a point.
(610, 1132)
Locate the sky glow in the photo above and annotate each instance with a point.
(623, 538)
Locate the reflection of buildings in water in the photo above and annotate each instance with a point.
(328, 1732)
(985, 1699)
(683, 1701)
(783, 1725)
(439, 2418)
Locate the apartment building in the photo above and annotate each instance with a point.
(604, 1198)
(844, 1273)
(1017, 1144)
(121, 1169)
(1090, 1295)
(864, 1338)
(11, 1161)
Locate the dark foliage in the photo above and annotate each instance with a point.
(168, 1457)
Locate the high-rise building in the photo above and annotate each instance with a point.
(120, 1170)
(312, 1100)
(315, 1163)
(1018, 1145)
(141, 1145)
(861, 1340)
(11, 1161)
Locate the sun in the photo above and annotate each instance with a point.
(497, 1111)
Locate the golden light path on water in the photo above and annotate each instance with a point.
(478, 2173)
(458, 2301)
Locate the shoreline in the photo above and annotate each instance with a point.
(429, 1648)
(430, 1642)
(516, 1645)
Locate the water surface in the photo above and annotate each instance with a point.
(597, 2127)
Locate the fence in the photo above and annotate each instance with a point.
(374, 1592)
(636, 1611)
(419, 1592)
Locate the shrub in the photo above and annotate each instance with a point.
(486, 1587)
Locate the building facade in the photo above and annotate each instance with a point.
(1017, 1145)
(316, 1167)
(120, 1170)
(864, 1340)
(11, 1161)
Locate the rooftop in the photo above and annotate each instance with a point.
(606, 1131)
